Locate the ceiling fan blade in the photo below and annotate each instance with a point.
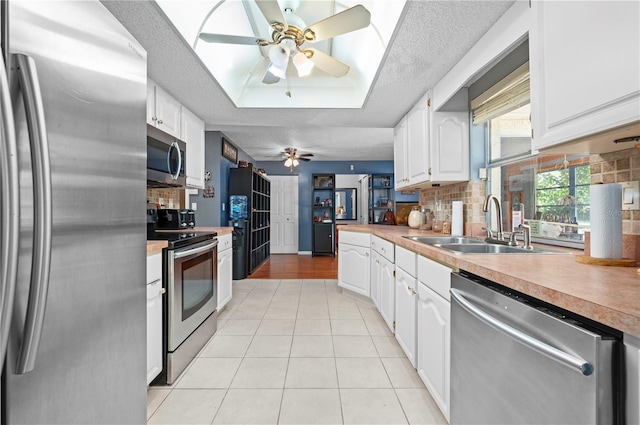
(304, 159)
(272, 12)
(328, 64)
(269, 78)
(305, 154)
(352, 19)
(230, 39)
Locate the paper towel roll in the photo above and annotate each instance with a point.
(606, 221)
(456, 219)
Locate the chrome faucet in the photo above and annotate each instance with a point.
(491, 235)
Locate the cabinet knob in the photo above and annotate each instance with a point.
(163, 291)
(367, 254)
(154, 118)
(160, 121)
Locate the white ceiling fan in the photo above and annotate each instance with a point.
(289, 35)
(292, 158)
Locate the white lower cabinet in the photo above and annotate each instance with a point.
(388, 292)
(434, 330)
(154, 316)
(376, 265)
(406, 302)
(354, 265)
(225, 270)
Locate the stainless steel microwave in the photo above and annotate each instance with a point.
(166, 159)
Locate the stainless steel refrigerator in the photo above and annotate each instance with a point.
(73, 193)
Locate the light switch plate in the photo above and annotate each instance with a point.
(630, 195)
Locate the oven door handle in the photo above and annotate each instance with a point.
(573, 362)
(186, 253)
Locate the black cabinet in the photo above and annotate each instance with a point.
(323, 210)
(257, 189)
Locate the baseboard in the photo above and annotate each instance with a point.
(304, 252)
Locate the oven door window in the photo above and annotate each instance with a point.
(197, 283)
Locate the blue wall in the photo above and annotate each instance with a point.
(304, 172)
(213, 212)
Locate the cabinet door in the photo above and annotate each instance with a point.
(375, 278)
(323, 238)
(585, 63)
(434, 345)
(418, 143)
(192, 131)
(225, 277)
(450, 147)
(388, 292)
(406, 313)
(167, 112)
(400, 167)
(154, 330)
(354, 268)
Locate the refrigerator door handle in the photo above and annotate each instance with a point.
(573, 362)
(10, 213)
(175, 146)
(40, 266)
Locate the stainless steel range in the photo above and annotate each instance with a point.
(189, 309)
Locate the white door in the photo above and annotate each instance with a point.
(284, 214)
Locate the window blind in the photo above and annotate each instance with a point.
(508, 94)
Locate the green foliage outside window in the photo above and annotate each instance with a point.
(563, 195)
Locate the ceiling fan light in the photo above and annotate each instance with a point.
(279, 55)
(296, 162)
(280, 72)
(288, 162)
(303, 64)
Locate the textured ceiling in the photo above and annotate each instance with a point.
(431, 37)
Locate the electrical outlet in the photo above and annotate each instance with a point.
(223, 206)
(194, 206)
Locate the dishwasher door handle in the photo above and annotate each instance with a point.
(573, 362)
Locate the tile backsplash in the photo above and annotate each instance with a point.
(619, 167)
(165, 197)
(471, 194)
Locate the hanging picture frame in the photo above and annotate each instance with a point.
(229, 151)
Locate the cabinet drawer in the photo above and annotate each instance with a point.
(435, 276)
(354, 238)
(406, 260)
(154, 268)
(383, 247)
(224, 242)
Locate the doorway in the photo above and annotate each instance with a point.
(284, 214)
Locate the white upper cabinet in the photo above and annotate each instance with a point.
(585, 72)
(192, 130)
(418, 142)
(450, 146)
(400, 167)
(163, 111)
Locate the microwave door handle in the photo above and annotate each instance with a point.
(573, 362)
(10, 213)
(175, 146)
(187, 252)
(40, 266)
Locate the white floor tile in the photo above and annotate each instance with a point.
(420, 407)
(226, 346)
(312, 327)
(354, 346)
(401, 373)
(361, 373)
(311, 373)
(280, 313)
(207, 372)
(371, 406)
(239, 327)
(344, 313)
(188, 407)
(276, 327)
(269, 346)
(387, 346)
(249, 406)
(311, 406)
(377, 327)
(312, 346)
(261, 373)
(349, 327)
(155, 397)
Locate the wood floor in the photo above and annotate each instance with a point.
(293, 266)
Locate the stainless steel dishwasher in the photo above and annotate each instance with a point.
(517, 360)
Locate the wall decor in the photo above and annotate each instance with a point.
(229, 151)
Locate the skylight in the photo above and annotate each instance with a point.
(240, 68)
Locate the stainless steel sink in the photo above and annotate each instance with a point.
(489, 248)
(436, 240)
